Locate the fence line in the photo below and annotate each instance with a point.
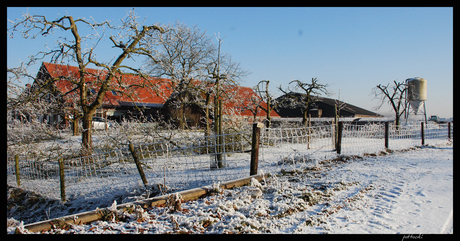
(179, 164)
(283, 149)
(170, 165)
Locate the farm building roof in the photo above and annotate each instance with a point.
(323, 103)
(349, 108)
(130, 90)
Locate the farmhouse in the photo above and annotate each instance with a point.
(130, 96)
(320, 107)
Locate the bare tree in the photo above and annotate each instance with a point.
(254, 104)
(30, 117)
(394, 95)
(70, 48)
(267, 96)
(198, 71)
(312, 91)
(27, 119)
(223, 72)
(181, 54)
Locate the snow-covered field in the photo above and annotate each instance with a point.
(401, 192)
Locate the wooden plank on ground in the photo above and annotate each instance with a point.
(91, 216)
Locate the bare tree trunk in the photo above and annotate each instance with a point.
(397, 121)
(218, 131)
(86, 134)
(207, 118)
(269, 108)
(305, 118)
(75, 122)
(75, 127)
(221, 138)
(182, 120)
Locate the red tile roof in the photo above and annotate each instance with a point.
(137, 94)
(244, 100)
(242, 97)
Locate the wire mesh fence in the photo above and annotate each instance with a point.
(36, 173)
(288, 146)
(411, 135)
(170, 165)
(182, 163)
(285, 148)
(192, 162)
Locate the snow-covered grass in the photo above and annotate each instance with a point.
(408, 191)
(181, 171)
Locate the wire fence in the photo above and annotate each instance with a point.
(287, 148)
(169, 165)
(179, 164)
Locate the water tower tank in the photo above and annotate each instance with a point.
(417, 89)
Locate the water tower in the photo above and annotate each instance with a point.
(416, 96)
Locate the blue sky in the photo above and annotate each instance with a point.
(352, 49)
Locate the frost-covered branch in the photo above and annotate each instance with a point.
(394, 96)
(69, 49)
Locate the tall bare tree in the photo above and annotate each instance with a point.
(70, 48)
(394, 96)
(196, 67)
(181, 54)
(223, 73)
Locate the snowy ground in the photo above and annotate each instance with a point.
(402, 192)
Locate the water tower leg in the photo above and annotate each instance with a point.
(407, 108)
(424, 111)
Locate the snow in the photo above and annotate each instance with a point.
(401, 192)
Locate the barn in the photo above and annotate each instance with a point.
(320, 107)
(148, 101)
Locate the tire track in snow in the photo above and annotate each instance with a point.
(408, 196)
(448, 223)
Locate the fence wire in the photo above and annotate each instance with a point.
(193, 162)
(284, 148)
(179, 164)
(360, 139)
(36, 174)
(171, 165)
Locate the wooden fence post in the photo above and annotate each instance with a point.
(448, 130)
(423, 133)
(138, 164)
(255, 147)
(62, 178)
(387, 134)
(339, 137)
(309, 131)
(16, 161)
